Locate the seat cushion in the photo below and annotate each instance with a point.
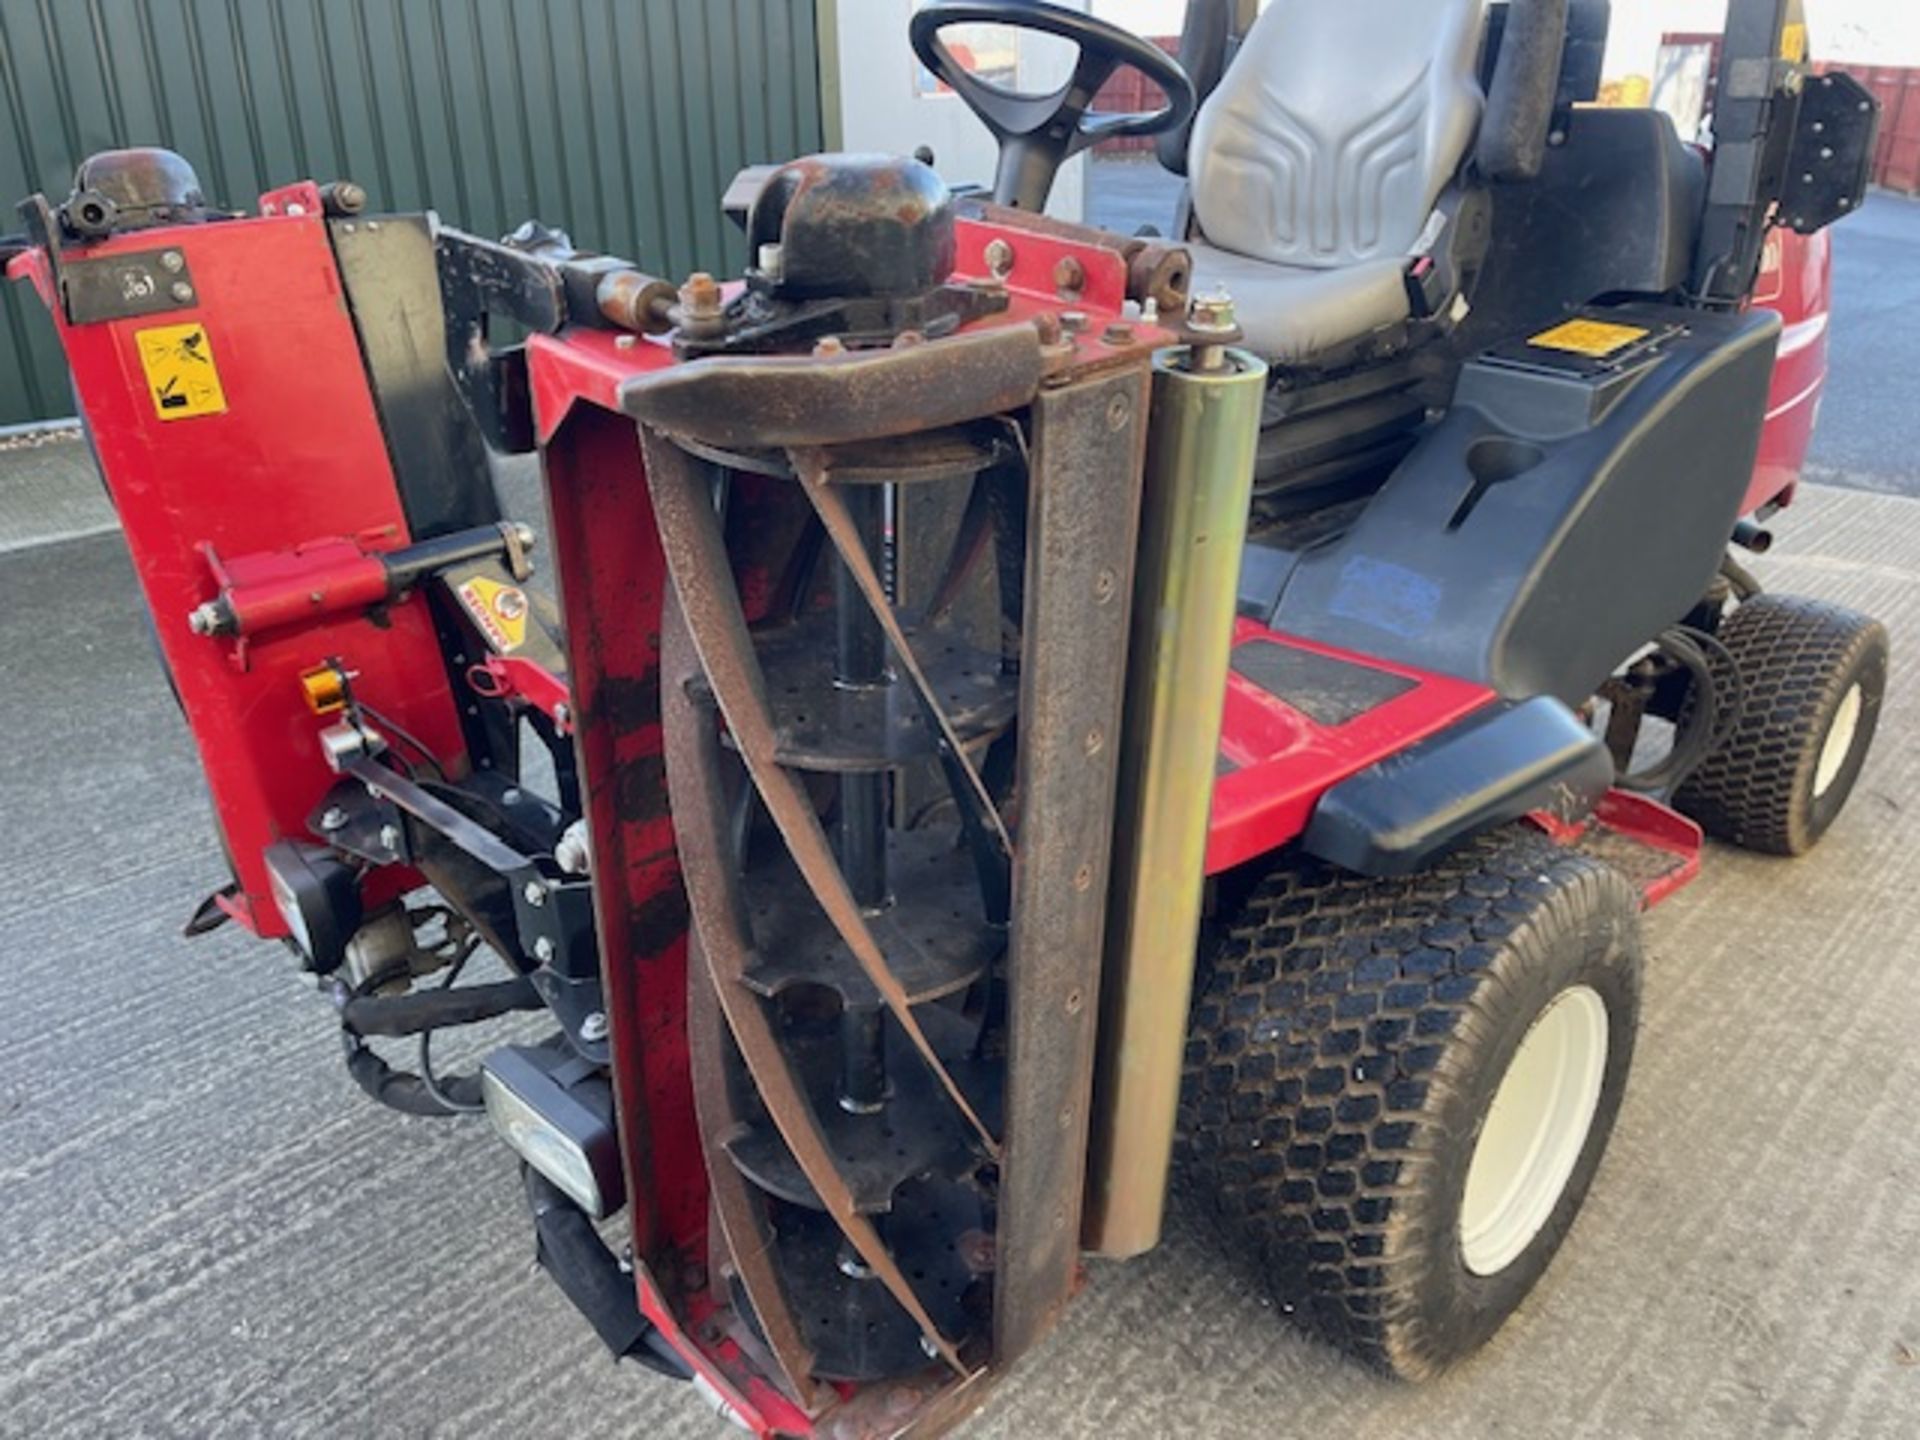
(1289, 313)
(1336, 127)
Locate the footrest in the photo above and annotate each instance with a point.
(1654, 846)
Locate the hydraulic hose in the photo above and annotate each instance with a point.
(391, 1016)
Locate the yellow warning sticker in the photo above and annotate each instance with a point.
(499, 610)
(1595, 339)
(1793, 43)
(181, 375)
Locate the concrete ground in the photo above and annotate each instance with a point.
(209, 1233)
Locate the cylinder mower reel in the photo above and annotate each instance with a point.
(1009, 727)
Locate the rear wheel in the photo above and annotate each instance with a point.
(1812, 678)
(1397, 1092)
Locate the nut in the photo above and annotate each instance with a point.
(1069, 277)
(1212, 313)
(700, 297)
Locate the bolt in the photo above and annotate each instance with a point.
(1117, 334)
(1096, 741)
(562, 716)
(625, 342)
(1048, 325)
(828, 346)
(1104, 586)
(1069, 277)
(373, 225)
(1073, 321)
(390, 837)
(907, 339)
(1117, 411)
(334, 819)
(772, 260)
(510, 795)
(1210, 320)
(535, 892)
(593, 1029)
(1000, 258)
(1075, 1000)
(172, 261)
(543, 950)
(182, 291)
(296, 209)
(348, 228)
(1083, 878)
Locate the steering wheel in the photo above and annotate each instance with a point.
(1038, 134)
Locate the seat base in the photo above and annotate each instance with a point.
(1291, 314)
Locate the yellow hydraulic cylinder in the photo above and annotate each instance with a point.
(1199, 482)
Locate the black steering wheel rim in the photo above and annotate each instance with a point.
(1052, 128)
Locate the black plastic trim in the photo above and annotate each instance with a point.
(570, 1250)
(1495, 766)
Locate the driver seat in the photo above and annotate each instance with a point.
(1318, 162)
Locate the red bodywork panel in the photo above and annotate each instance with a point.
(251, 485)
(1796, 279)
(1284, 761)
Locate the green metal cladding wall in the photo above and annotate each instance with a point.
(620, 121)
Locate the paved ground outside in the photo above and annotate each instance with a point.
(209, 1232)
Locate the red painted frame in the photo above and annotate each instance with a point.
(296, 462)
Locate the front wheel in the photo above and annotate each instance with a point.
(1397, 1092)
(1812, 678)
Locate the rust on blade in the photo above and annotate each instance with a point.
(696, 554)
(700, 811)
(829, 400)
(744, 1233)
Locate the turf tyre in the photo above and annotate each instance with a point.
(1810, 674)
(1348, 1037)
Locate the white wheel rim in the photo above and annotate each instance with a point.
(1839, 742)
(1535, 1130)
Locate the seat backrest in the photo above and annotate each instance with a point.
(1337, 127)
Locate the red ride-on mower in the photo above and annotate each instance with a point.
(960, 626)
